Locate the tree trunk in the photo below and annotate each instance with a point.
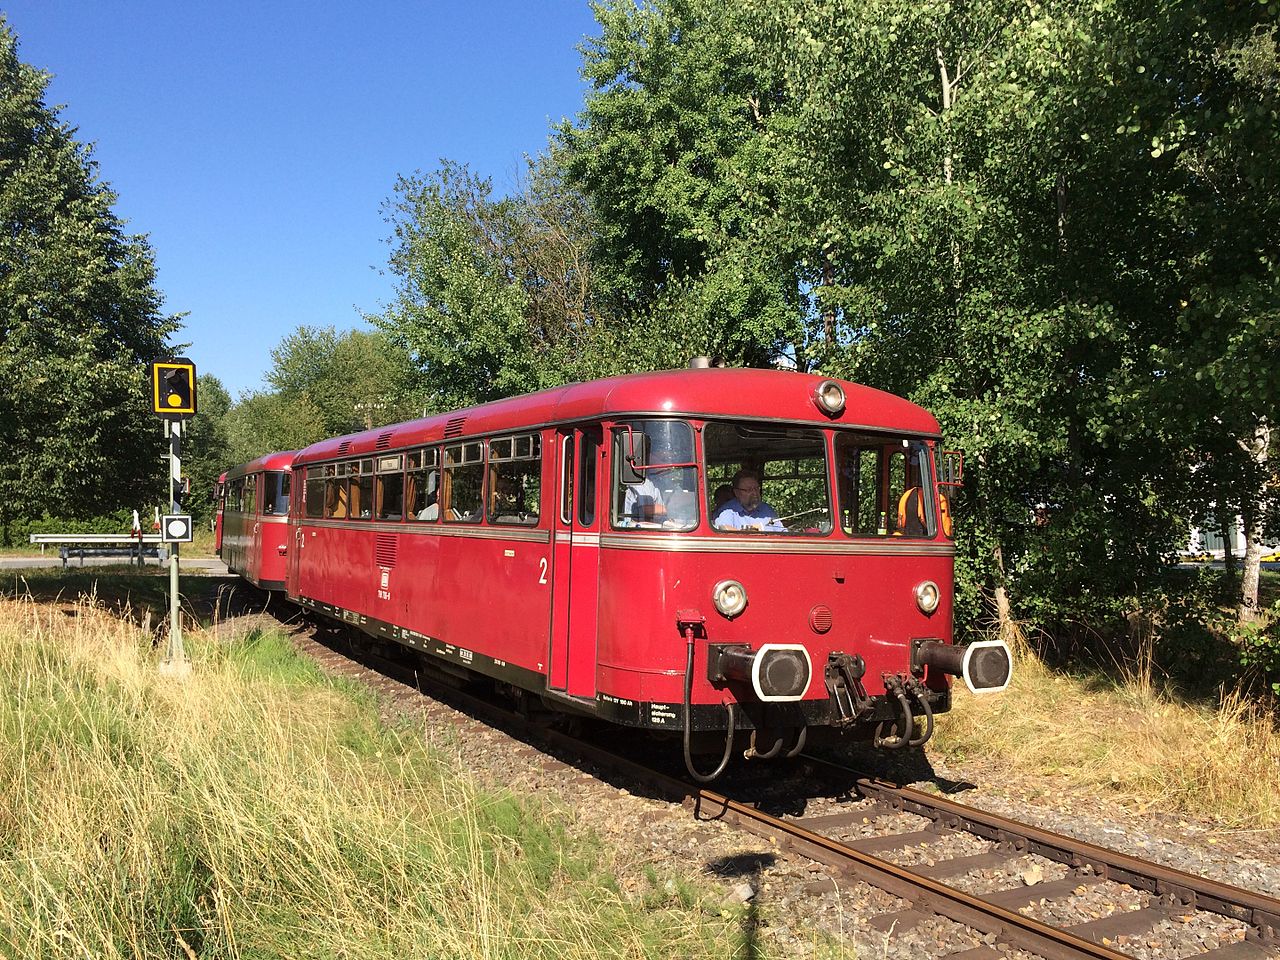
(1252, 513)
(1004, 610)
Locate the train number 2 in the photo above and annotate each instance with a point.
(542, 569)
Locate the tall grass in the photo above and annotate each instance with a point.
(260, 810)
(1126, 736)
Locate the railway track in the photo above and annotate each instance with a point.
(930, 889)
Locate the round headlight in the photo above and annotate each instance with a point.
(730, 597)
(927, 596)
(829, 396)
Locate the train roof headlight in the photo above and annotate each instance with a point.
(927, 596)
(730, 597)
(829, 396)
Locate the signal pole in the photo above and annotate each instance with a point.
(173, 389)
(175, 662)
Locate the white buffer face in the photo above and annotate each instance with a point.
(175, 529)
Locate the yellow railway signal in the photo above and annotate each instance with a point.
(173, 388)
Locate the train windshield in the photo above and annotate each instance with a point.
(767, 479)
(655, 475)
(275, 497)
(886, 486)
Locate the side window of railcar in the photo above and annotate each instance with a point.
(275, 495)
(886, 486)
(390, 488)
(763, 478)
(361, 490)
(515, 479)
(335, 491)
(251, 493)
(422, 484)
(655, 475)
(462, 487)
(314, 492)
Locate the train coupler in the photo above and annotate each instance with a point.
(843, 674)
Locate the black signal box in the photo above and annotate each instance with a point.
(173, 388)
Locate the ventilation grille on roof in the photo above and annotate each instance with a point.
(344, 446)
(384, 550)
(384, 440)
(454, 427)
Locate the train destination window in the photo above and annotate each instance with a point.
(390, 488)
(763, 478)
(422, 484)
(313, 495)
(275, 494)
(462, 485)
(886, 486)
(515, 479)
(655, 476)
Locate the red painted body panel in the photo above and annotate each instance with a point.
(873, 613)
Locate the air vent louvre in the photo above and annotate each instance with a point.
(384, 440)
(820, 618)
(454, 427)
(384, 549)
(344, 446)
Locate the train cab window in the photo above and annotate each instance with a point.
(655, 476)
(422, 484)
(275, 493)
(313, 493)
(462, 484)
(515, 479)
(886, 486)
(335, 491)
(390, 488)
(763, 478)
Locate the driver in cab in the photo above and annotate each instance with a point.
(746, 511)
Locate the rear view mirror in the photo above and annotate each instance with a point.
(951, 468)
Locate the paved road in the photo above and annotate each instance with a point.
(207, 566)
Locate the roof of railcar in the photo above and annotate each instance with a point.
(271, 461)
(708, 393)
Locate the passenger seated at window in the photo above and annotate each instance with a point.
(746, 511)
(509, 501)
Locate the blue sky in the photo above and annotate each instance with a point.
(255, 142)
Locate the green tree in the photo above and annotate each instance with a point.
(495, 296)
(80, 321)
(206, 448)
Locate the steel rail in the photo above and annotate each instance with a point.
(1256, 909)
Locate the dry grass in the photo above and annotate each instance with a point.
(260, 810)
(1127, 737)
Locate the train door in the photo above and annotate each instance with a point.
(571, 666)
(253, 493)
(298, 508)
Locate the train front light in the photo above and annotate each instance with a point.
(730, 597)
(927, 597)
(829, 396)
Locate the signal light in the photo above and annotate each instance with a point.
(173, 388)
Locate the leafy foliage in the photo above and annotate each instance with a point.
(80, 320)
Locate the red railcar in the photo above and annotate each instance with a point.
(603, 547)
(252, 529)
